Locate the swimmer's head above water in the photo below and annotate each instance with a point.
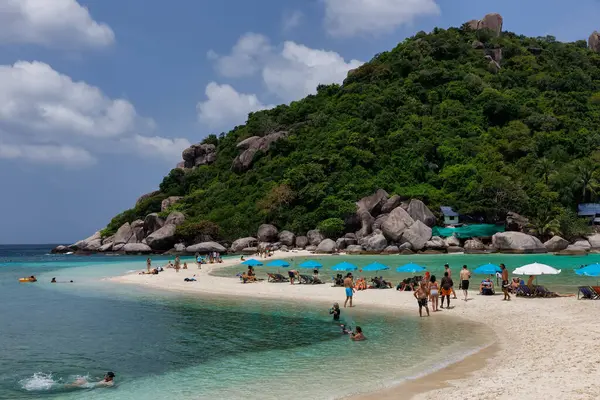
(109, 376)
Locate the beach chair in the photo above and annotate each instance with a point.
(305, 279)
(596, 290)
(586, 292)
(277, 278)
(542, 291)
(524, 291)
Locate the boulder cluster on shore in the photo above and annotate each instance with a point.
(385, 225)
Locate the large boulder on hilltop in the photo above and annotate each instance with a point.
(205, 247)
(314, 237)
(517, 242)
(147, 196)
(301, 242)
(136, 248)
(249, 147)
(199, 154)
(375, 242)
(163, 239)
(418, 234)
(594, 42)
(152, 223)
(175, 218)
(556, 243)
(267, 233)
(397, 222)
(493, 22)
(168, 202)
(287, 238)
(240, 244)
(391, 203)
(373, 203)
(419, 212)
(474, 246)
(594, 241)
(452, 241)
(354, 249)
(327, 246)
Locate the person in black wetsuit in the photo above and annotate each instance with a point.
(335, 310)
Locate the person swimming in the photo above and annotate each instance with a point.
(345, 331)
(53, 280)
(108, 380)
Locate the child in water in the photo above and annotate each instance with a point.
(335, 310)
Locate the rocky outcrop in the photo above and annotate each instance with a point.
(452, 241)
(493, 65)
(267, 233)
(179, 248)
(242, 243)
(205, 247)
(582, 244)
(375, 242)
(419, 212)
(492, 22)
(477, 45)
(91, 243)
(517, 242)
(106, 247)
(123, 236)
(152, 223)
(573, 250)
(354, 249)
(474, 246)
(287, 238)
(311, 248)
(418, 234)
(315, 237)
(556, 244)
(137, 228)
(168, 202)
(163, 239)
(327, 246)
(61, 250)
(436, 243)
(398, 221)
(198, 154)
(391, 250)
(594, 241)
(136, 248)
(516, 223)
(147, 196)
(175, 218)
(374, 203)
(594, 42)
(379, 221)
(391, 203)
(249, 147)
(301, 242)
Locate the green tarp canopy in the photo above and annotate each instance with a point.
(468, 231)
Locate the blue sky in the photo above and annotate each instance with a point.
(99, 97)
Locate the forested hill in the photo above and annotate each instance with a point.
(462, 117)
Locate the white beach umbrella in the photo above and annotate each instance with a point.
(536, 269)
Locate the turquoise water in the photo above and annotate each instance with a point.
(168, 345)
(566, 281)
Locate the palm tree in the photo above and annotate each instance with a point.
(586, 179)
(545, 168)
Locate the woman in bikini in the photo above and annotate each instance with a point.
(434, 294)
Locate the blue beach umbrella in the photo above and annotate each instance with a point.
(311, 264)
(278, 263)
(590, 270)
(487, 269)
(375, 267)
(252, 262)
(411, 268)
(345, 266)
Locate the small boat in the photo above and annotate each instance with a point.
(27, 280)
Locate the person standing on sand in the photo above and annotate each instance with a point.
(465, 275)
(505, 282)
(446, 289)
(349, 288)
(421, 295)
(449, 271)
(434, 294)
(177, 263)
(148, 264)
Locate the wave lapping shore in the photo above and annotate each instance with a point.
(546, 348)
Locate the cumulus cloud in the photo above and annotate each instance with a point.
(51, 23)
(346, 18)
(292, 20)
(226, 107)
(290, 71)
(167, 148)
(43, 111)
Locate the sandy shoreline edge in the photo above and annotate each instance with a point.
(534, 354)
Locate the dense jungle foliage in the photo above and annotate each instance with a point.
(428, 120)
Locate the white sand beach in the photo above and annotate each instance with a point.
(544, 348)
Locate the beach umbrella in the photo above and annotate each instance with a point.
(252, 262)
(311, 264)
(487, 269)
(375, 267)
(345, 266)
(589, 270)
(278, 263)
(536, 269)
(411, 268)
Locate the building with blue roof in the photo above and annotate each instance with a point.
(590, 211)
(451, 217)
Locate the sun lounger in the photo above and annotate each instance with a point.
(596, 290)
(524, 291)
(277, 278)
(588, 293)
(306, 279)
(542, 291)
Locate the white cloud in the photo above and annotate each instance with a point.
(169, 149)
(245, 56)
(47, 154)
(226, 107)
(47, 117)
(346, 18)
(51, 23)
(291, 71)
(292, 20)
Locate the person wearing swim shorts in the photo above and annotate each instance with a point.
(449, 271)
(465, 275)
(446, 289)
(349, 287)
(505, 283)
(421, 295)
